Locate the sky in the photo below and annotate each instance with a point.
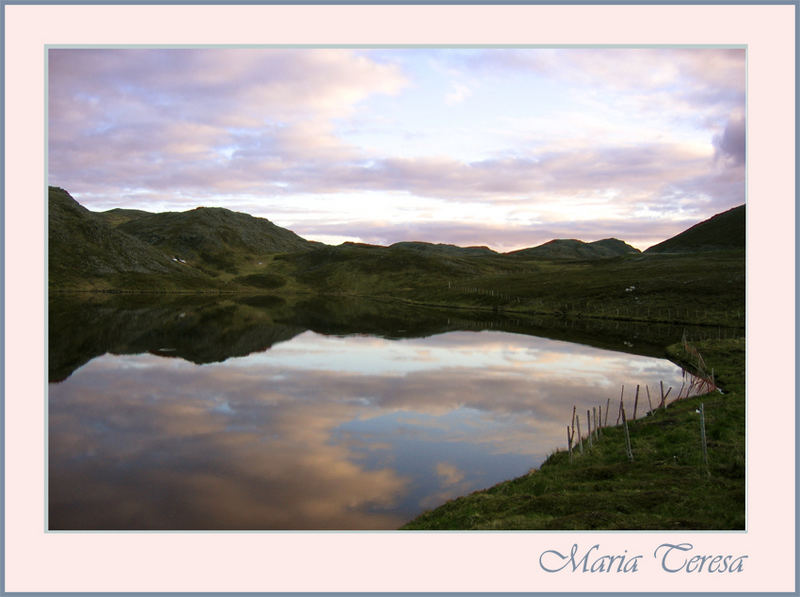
(501, 147)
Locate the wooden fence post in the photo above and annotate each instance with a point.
(589, 425)
(569, 443)
(636, 402)
(600, 419)
(627, 437)
(703, 438)
(573, 420)
(580, 437)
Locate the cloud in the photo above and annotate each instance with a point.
(695, 77)
(448, 473)
(302, 159)
(227, 87)
(163, 119)
(190, 119)
(642, 169)
(459, 93)
(730, 145)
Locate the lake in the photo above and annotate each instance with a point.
(205, 415)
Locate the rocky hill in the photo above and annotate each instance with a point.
(85, 252)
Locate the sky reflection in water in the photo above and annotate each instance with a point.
(320, 432)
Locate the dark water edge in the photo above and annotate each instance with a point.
(204, 328)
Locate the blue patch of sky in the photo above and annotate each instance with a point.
(450, 110)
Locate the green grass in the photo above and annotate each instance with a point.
(261, 280)
(665, 487)
(705, 289)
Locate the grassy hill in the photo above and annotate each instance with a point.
(443, 249)
(134, 250)
(724, 231)
(363, 269)
(214, 239)
(115, 217)
(576, 249)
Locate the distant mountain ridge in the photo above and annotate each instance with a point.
(424, 247)
(577, 249)
(215, 248)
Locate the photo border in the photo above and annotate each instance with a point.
(436, 558)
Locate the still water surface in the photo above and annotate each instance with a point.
(318, 431)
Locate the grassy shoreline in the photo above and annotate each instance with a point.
(665, 486)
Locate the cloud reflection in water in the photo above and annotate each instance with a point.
(320, 432)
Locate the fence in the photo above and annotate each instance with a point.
(595, 422)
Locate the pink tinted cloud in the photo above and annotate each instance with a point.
(140, 113)
(636, 175)
(221, 86)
